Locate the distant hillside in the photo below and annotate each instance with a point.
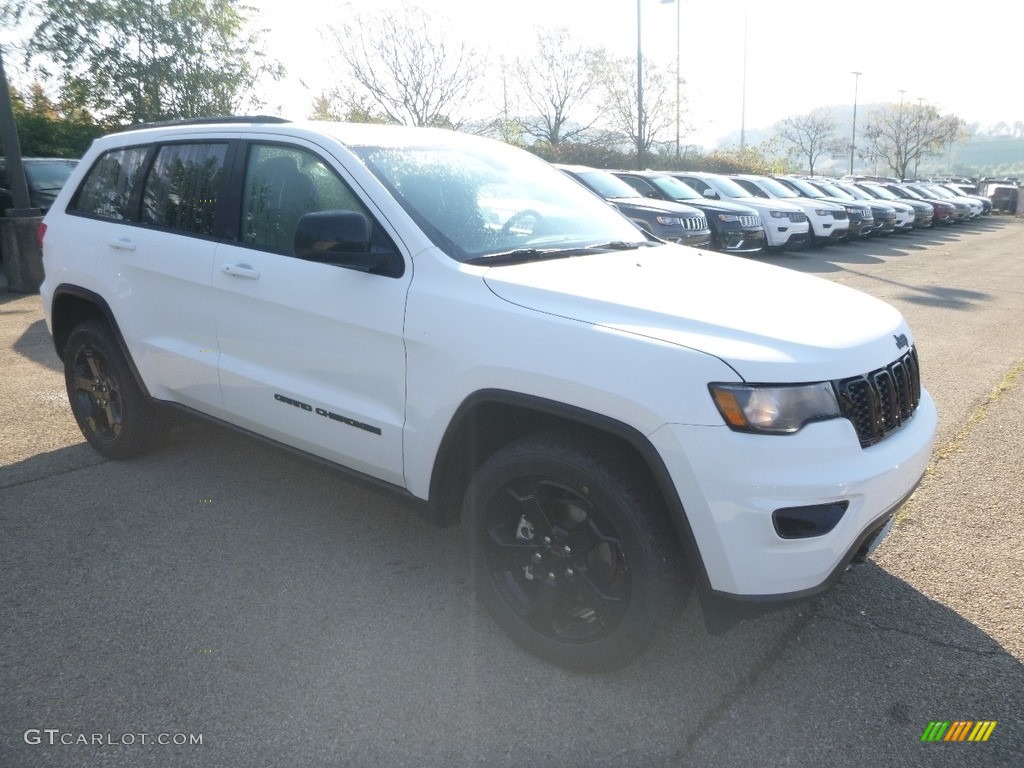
(981, 156)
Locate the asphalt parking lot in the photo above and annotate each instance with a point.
(286, 616)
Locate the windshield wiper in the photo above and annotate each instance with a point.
(522, 255)
(621, 245)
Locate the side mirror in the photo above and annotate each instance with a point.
(341, 238)
(710, 194)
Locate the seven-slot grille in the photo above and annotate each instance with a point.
(695, 223)
(839, 215)
(883, 400)
(796, 218)
(750, 221)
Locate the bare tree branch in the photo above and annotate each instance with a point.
(556, 80)
(810, 136)
(901, 134)
(407, 63)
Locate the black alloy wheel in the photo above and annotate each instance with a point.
(571, 552)
(115, 416)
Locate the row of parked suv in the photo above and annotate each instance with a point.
(747, 213)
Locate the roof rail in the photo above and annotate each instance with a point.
(207, 121)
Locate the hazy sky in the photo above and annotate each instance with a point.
(800, 53)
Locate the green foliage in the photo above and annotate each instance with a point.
(45, 130)
(129, 61)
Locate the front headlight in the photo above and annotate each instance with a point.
(822, 212)
(852, 211)
(728, 217)
(669, 221)
(774, 409)
(778, 214)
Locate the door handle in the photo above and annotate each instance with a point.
(241, 270)
(121, 244)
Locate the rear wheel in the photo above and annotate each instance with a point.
(571, 552)
(111, 409)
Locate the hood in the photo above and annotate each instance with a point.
(758, 203)
(768, 323)
(810, 202)
(722, 206)
(652, 205)
(863, 205)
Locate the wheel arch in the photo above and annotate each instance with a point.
(489, 419)
(73, 305)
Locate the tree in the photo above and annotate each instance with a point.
(556, 80)
(899, 134)
(49, 129)
(141, 60)
(618, 83)
(406, 65)
(810, 136)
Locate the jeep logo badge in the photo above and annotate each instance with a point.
(901, 341)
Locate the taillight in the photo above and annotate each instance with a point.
(40, 234)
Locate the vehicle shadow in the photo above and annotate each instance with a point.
(845, 257)
(295, 617)
(36, 344)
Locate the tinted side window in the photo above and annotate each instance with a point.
(697, 184)
(108, 186)
(281, 185)
(182, 188)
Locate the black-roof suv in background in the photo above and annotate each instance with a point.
(45, 177)
(735, 228)
(669, 221)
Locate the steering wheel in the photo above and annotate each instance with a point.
(519, 219)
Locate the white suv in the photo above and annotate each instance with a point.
(828, 221)
(785, 224)
(614, 419)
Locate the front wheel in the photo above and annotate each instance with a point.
(571, 552)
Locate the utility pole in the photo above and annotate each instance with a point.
(853, 137)
(639, 92)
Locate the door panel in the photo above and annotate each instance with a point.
(311, 354)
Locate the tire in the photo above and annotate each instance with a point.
(112, 411)
(571, 552)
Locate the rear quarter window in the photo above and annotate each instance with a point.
(107, 188)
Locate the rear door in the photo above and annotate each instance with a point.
(150, 213)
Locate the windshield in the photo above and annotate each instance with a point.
(49, 176)
(607, 184)
(806, 189)
(881, 192)
(674, 188)
(777, 189)
(858, 193)
(945, 193)
(833, 191)
(727, 187)
(480, 200)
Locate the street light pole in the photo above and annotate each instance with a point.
(853, 137)
(678, 4)
(743, 107)
(639, 91)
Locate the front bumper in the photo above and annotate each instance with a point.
(741, 239)
(730, 484)
(861, 227)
